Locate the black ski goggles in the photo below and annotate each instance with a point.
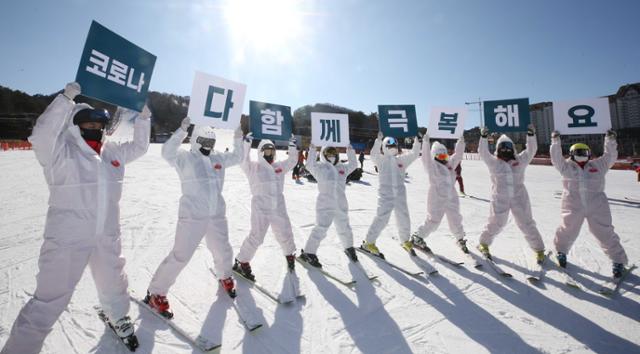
(505, 146)
(268, 149)
(581, 152)
(392, 142)
(206, 143)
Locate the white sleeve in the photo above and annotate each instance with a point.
(170, 147)
(46, 136)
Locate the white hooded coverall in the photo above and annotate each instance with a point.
(392, 193)
(443, 198)
(508, 193)
(268, 207)
(202, 209)
(584, 198)
(82, 224)
(331, 204)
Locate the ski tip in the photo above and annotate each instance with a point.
(254, 328)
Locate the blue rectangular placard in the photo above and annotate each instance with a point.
(270, 121)
(399, 121)
(507, 115)
(114, 70)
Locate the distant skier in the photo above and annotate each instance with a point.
(331, 204)
(299, 166)
(392, 193)
(85, 174)
(442, 198)
(583, 181)
(202, 209)
(361, 159)
(508, 192)
(268, 207)
(459, 179)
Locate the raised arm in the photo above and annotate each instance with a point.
(311, 160)
(171, 147)
(141, 132)
(375, 153)
(458, 153)
(407, 159)
(292, 161)
(352, 162)
(532, 145)
(610, 154)
(427, 160)
(235, 157)
(557, 160)
(46, 135)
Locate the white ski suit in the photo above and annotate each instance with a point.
(331, 203)
(392, 193)
(202, 209)
(443, 198)
(267, 202)
(584, 198)
(82, 224)
(508, 193)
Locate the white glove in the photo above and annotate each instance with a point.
(186, 122)
(146, 113)
(72, 90)
(292, 141)
(380, 136)
(531, 130)
(248, 138)
(237, 134)
(484, 132)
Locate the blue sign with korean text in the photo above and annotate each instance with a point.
(114, 70)
(399, 121)
(270, 121)
(507, 115)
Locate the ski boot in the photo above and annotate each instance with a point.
(618, 270)
(408, 246)
(124, 329)
(462, 243)
(291, 262)
(562, 259)
(371, 248)
(310, 258)
(159, 304)
(351, 253)
(228, 286)
(540, 257)
(419, 242)
(484, 249)
(244, 268)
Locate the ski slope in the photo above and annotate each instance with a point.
(463, 310)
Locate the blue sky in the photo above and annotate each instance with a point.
(354, 53)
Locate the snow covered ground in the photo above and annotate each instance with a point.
(463, 310)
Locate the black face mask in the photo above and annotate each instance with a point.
(91, 134)
(441, 161)
(269, 158)
(205, 152)
(506, 155)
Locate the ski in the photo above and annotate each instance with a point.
(347, 283)
(392, 265)
(426, 266)
(569, 280)
(473, 259)
(131, 342)
(611, 286)
(261, 289)
(438, 257)
(201, 343)
(632, 200)
(292, 292)
(537, 271)
(245, 314)
(496, 268)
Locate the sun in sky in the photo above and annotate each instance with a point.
(268, 30)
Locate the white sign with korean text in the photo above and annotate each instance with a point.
(447, 122)
(216, 102)
(329, 129)
(588, 116)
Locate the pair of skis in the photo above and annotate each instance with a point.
(428, 268)
(289, 294)
(349, 283)
(608, 288)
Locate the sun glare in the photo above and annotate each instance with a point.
(264, 26)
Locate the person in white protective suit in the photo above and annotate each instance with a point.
(508, 192)
(268, 208)
(392, 193)
(202, 209)
(584, 198)
(85, 176)
(331, 204)
(442, 198)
